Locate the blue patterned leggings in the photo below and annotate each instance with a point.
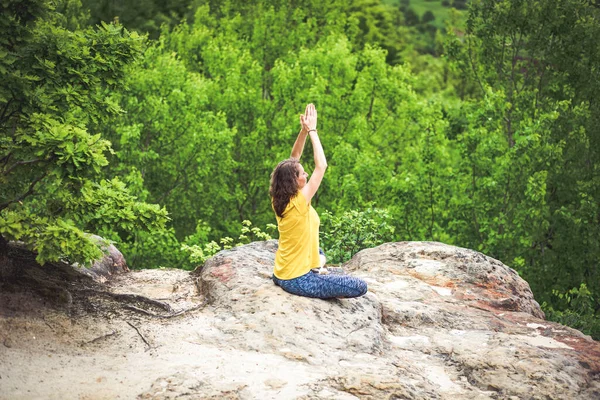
(319, 286)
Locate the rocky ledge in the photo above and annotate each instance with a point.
(439, 322)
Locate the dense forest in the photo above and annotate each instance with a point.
(156, 125)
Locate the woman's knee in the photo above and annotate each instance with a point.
(341, 286)
(362, 287)
(356, 287)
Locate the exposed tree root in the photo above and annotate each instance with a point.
(139, 333)
(171, 315)
(99, 338)
(129, 297)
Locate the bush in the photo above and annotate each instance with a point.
(411, 18)
(428, 17)
(199, 250)
(575, 308)
(460, 4)
(157, 249)
(345, 235)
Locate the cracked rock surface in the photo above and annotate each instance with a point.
(438, 322)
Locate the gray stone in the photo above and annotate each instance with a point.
(111, 263)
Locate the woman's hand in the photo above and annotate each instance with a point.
(308, 120)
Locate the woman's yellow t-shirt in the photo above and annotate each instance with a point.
(298, 249)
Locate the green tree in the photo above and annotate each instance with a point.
(428, 17)
(411, 18)
(537, 124)
(54, 83)
(144, 16)
(381, 25)
(172, 148)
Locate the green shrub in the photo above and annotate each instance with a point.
(428, 17)
(575, 308)
(199, 250)
(346, 234)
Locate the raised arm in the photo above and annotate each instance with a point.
(300, 140)
(299, 145)
(309, 121)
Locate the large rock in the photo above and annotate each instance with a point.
(438, 322)
(111, 263)
(238, 283)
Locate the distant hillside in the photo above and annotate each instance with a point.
(439, 8)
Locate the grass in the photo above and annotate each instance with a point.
(420, 7)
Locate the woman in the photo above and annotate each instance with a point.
(298, 223)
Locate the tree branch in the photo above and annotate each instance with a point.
(5, 109)
(15, 165)
(28, 193)
(473, 67)
(6, 159)
(179, 175)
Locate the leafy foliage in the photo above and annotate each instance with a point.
(199, 250)
(546, 129)
(352, 231)
(54, 84)
(141, 15)
(575, 308)
(207, 93)
(535, 142)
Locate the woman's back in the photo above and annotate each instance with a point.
(298, 249)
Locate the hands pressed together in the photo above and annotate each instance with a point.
(308, 120)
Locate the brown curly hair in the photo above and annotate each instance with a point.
(284, 184)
